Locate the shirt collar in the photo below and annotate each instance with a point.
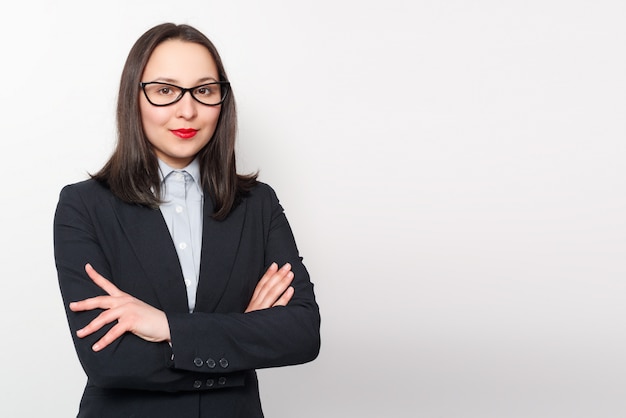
(193, 169)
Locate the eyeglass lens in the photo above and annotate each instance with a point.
(163, 94)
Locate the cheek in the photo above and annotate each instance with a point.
(211, 116)
(153, 117)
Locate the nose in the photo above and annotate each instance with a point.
(186, 107)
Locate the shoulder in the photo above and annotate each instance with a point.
(86, 190)
(262, 190)
(261, 200)
(262, 193)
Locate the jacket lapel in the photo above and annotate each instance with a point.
(150, 239)
(220, 242)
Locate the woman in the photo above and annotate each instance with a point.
(179, 276)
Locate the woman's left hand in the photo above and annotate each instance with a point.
(132, 315)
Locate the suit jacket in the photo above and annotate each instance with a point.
(209, 369)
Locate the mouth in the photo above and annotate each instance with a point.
(184, 133)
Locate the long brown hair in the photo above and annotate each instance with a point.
(132, 172)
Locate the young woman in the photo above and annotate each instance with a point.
(180, 277)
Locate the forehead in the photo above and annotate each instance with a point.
(180, 61)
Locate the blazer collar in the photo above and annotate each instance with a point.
(220, 242)
(150, 240)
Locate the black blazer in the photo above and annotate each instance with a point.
(209, 369)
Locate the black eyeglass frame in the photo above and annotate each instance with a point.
(184, 90)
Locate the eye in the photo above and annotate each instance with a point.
(205, 91)
(164, 91)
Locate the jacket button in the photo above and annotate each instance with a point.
(210, 382)
(197, 384)
(198, 362)
(224, 363)
(221, 381)
(211, 363)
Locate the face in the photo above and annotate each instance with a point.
(179, 131)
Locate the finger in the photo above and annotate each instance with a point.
(101, 281)
(98, 322)
(285, 268)
(114, 333)
(286, 297)
(98, 302)
(271, 270)
(271, 292)
(278, 287)
(270, 282)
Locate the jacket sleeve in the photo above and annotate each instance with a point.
(129, 362)
(277, 336)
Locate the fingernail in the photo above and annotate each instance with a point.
(96, 347)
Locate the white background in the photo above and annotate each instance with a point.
(453, 171)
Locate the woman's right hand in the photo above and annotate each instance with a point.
(273, 289)
(130, 313)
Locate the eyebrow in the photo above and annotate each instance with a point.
(173, 81)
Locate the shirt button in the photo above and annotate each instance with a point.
(187, 282)
(179, 209)
(182, 245)
(179, 176)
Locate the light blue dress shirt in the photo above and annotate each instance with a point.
(182, 211)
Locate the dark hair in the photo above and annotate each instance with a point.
(132, 172)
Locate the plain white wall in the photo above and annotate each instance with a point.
(453, 171)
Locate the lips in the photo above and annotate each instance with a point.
(184, 133)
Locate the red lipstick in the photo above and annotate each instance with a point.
(184, 133)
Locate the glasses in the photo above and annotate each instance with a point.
(165, 94)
